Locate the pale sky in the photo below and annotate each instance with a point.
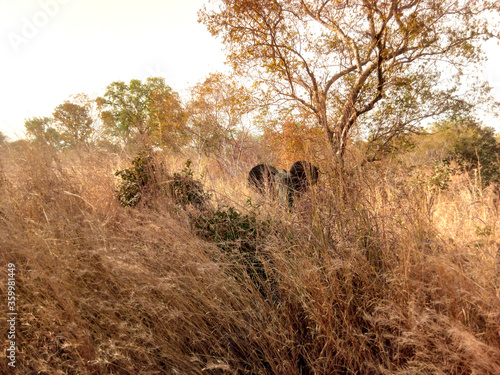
(51, 49)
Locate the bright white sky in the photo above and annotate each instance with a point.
(51, 49)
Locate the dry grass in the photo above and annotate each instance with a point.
(370, 275)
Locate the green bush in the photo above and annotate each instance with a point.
(240, 236)
(135, 179)
(439, 178)
(473, 147)
(185, 189)
(147, 178)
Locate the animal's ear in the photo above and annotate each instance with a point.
(303, 175)
(261, 177)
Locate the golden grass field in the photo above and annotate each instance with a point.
(371, 274)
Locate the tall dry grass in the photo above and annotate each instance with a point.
(371, 274)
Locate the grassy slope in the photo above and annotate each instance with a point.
(371, 275)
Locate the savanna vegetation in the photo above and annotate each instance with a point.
(140, 249)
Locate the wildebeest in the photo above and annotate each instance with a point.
(283, 185)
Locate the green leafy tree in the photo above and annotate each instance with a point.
(344, 61)
(41, 130)
(472, 146)
(149, 112)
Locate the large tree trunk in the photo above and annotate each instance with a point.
(334, 137)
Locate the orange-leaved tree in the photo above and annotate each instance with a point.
(220, 119)
(289, 140)
(74, 123)
(339, 60)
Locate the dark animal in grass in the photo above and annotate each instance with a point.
(303, 175)
(261, 178)
(277, 183)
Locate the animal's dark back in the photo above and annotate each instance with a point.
(303, 174)
(261, 176)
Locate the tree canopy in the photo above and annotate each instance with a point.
(339, 60)
(73, 122)
(218, 111)
(41, 130)
(148, 112)
(472, 146)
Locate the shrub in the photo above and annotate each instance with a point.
(187, 190)
(473, 147)
(436, 179)
(135, 179)
(148, 178)
(239, 235)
